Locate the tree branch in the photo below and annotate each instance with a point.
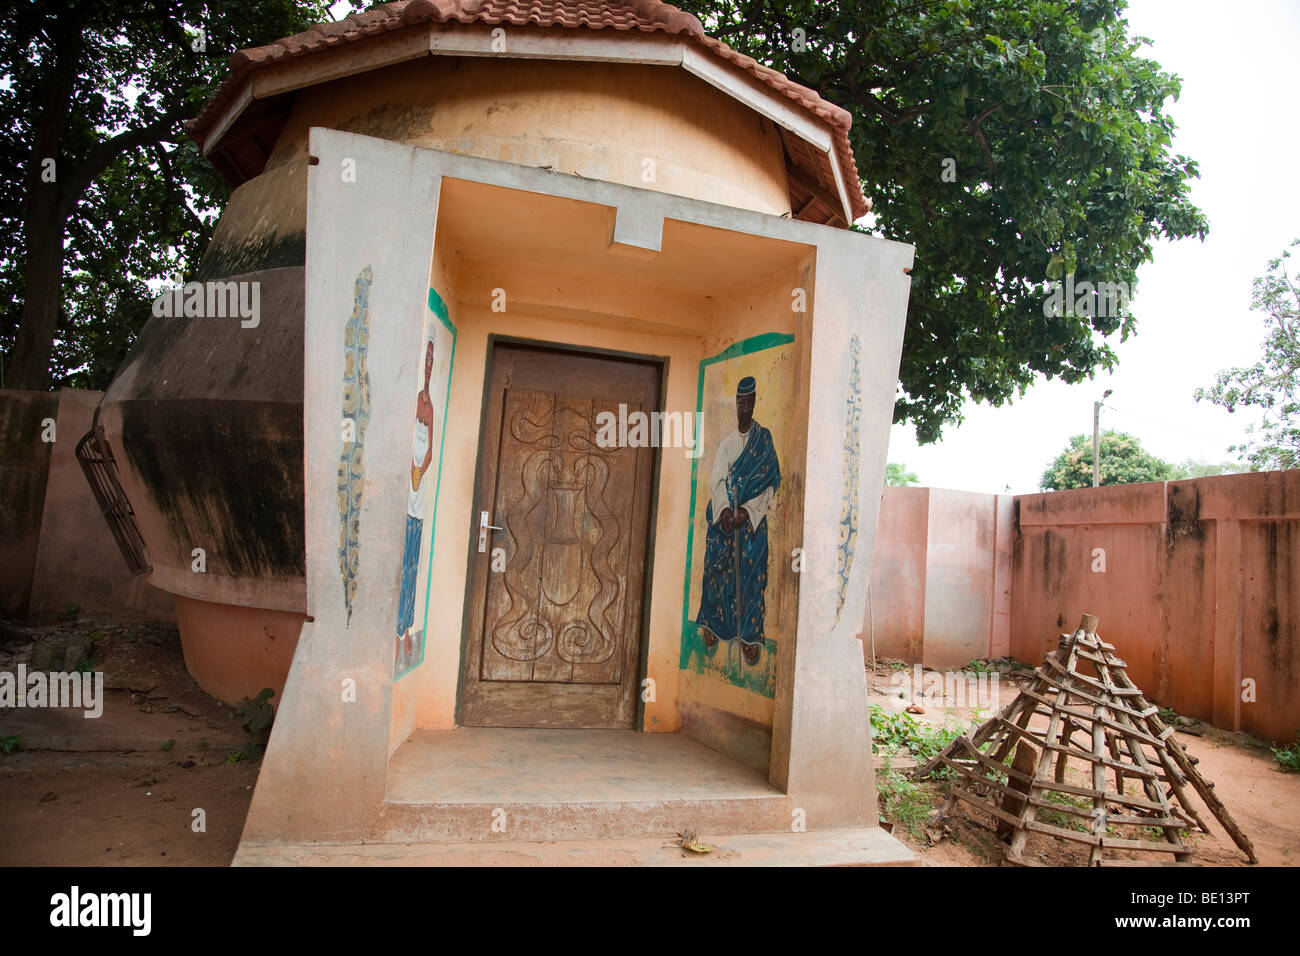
(103, 154)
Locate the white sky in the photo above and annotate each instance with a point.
(1236, 117)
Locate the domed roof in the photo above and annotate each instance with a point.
(825, 186)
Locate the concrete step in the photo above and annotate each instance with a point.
(866, 846)
(502, 785)
(509, 822)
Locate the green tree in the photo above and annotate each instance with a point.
(1273, 383)
(105, 192)
(897, 475)
(1121, 458)
(1011, 141)
(1197, 468)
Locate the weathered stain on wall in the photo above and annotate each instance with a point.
(1195, 582)
(264, 226)
(251, 463)
(53, 537)
(24, 469)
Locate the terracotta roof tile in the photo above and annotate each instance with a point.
(646, 16)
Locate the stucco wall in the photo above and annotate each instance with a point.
(895, 619)
(235, 652)
(1195, 582)
(78, 561)
(958, 577)
(24, 471)
(598, 120)
(940, 583)
(1198, 594)
(557, 259)
(56, 549)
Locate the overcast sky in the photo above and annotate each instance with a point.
(1237, 117)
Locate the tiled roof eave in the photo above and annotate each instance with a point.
(646, 16)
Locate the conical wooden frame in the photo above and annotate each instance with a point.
(1101, 720)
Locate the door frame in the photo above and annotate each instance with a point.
(495, 339)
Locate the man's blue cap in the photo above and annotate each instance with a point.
(747, 386)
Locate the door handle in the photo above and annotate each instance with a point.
(483, 529)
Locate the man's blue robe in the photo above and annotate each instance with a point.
(735, 565)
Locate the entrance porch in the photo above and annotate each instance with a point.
(484, 795)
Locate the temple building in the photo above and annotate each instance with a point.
(526, 437)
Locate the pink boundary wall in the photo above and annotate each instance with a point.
(64, 549)
(941, 577)
(1199, 590)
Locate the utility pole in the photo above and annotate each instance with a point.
(1096, 439)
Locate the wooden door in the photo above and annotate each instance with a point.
(555, 602)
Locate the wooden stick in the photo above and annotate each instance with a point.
(1175, 750)
(1088, 626)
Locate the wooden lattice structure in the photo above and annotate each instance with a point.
(1097, 716)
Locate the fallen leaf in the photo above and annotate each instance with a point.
(689, 842)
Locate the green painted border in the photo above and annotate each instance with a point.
(757, 343)
(439, 308)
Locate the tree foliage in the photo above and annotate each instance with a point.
(1054, 131)
(1273, 383)
(1197, 468)
(1011, 141)
(897, 475)
(1121, 461)
(105, 193)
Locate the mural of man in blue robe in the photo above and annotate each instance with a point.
(745, 476)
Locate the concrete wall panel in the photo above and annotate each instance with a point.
(958, 578)
(895, 616)
(24, 472)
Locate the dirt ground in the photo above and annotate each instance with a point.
(1262, 798)
(122, 789)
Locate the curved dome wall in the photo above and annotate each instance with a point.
(205, 417)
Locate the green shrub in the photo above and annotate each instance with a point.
(1288, 757)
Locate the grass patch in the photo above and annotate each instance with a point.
(891, 732)
(244, 751)
(1062, 818)
(11, 744)
(1288, 758)
(904, 801)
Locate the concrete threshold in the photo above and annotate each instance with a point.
(859, 846)
(534, 786)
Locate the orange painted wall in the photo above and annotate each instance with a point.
(234, 652)
(895, 621)
(56, 548)
(1196, 583)
(940, 577)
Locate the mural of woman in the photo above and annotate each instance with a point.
(421, 456)
(746, 474)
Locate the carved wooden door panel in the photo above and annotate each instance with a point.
(555, 624)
